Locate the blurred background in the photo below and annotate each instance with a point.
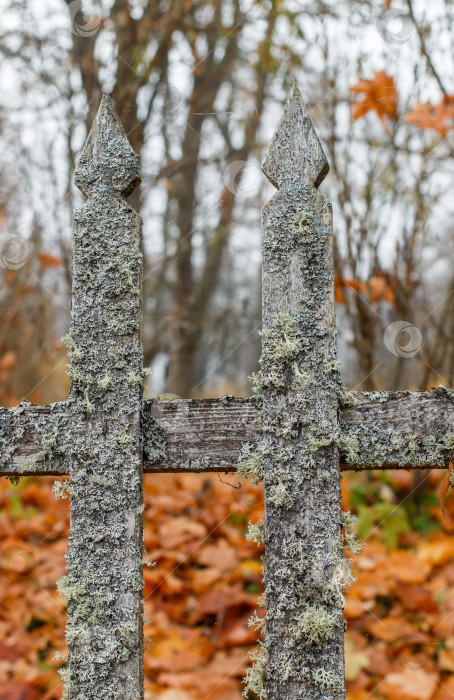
(199, 86)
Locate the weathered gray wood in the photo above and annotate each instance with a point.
(303, 553)
(104, 583)
(195, 435)
(208, 434)
(404, 430)
(105, 432)
(198, 435)
(33, 440)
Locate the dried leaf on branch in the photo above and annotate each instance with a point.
(380, 96)
(439, 117)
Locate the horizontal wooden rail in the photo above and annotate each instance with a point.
(406, 430)
(398, 429)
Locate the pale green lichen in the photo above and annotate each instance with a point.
(332, 366)
(259, 623)
(280, 349)
(381, 396)
(250, 462)
(302, 227)
(75, 353)
(301, 379)
(347, 398)
(124, 438)
(255, 681)
(350, 447)
(135, 379)
(69, 592)
(350, 539)
(88, 405)
(314, 624)
(317, 443)
(280, 495)
(256, 533)
(61, 490)
(50, 448)
(65, 676)
(106, 382)
(328, 678)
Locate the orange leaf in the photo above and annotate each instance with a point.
(444, 485)
(357, 285)
(381, 289)
(8, 361)
(47, 260)
(439, 117)
(18, 691)
(409, 685)
(380, 96)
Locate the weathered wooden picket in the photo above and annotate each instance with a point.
(308, 429)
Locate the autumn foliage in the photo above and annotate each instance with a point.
(379, 95)
(204, 578)
(205, 581)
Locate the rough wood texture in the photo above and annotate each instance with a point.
(104, 432)
(198, 435)
(398, 430)
(207, 434)
(303, 554)
(33, 439)
(104, 583)
(179, 435)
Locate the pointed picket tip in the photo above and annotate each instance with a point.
(107, 160)
(295, 153)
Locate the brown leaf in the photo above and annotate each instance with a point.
(439, 117)
(339, 286)
(9, 653)
(380, 96)
(415, 597)
(218, 555)
(17, 691)
(437, 551)
(409, 685)
(47, 260)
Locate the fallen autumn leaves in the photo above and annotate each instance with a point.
(204, 587)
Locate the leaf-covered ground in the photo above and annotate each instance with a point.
(206, 582)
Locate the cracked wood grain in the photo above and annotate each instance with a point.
(303, 553)
(104, 585)
(216, 430)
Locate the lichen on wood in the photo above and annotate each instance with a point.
(33, 439)
(223, 434)
(288, 432)
(374, 434)
(303, 554)
(104, 584)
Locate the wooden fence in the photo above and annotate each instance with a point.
(301, 429)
